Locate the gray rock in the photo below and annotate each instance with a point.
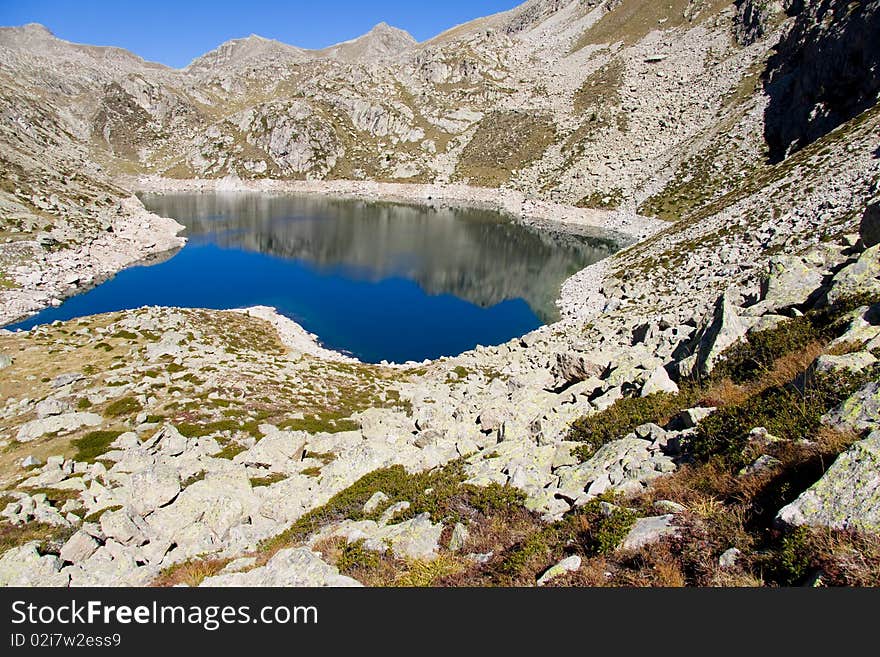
(691, 417)
(392, 511)
(658, 381)
(729, 558)
(862, 276)
(417, 538)
(648, 530)
(66, 379)
(51, 406)
(567, 565)
(25, 566)
(790, 283)
(459, 537)
(848, 494)
(724, 329)
(79, 547)
(761, 464)
(66, 422)
(152, 488)
(860, 412)
(668, 506)
(572, 367)
(120, 526)
(375, 501)
(854, 362)
(30, 461)
(5, 361)
(294, 567)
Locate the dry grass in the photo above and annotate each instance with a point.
(504, 142)
(190, 573)
(785, 369)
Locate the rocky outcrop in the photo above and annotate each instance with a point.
(848, 494)
(751, 19)
(824, 72)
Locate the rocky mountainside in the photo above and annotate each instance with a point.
(705, 413)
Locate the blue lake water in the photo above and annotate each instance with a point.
(381, 281)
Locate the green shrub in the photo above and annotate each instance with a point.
(93, 445)
(790, 412)
(495, 498)
(746, 361)
(354, 556)
(624, 416)
(789, 562)
(601, 532)
(123, 406)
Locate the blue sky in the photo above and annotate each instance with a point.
(174, 32)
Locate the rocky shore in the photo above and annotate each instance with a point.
(48, 270)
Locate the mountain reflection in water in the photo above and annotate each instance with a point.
(382, 281)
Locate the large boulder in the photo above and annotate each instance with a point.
(648, 530)
(79, 547)
(571, 367)
(790, 282)
(152, 488)
(25, 566)
(860, 412)
(658, 381)
(724, 329)
(294, 567)
(860, 277)
(55, 424)
(848, 494)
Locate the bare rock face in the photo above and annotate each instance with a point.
(723, 329)
(824, 72)
(751, 19)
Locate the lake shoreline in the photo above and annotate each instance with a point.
(543, 214)
(579, 295)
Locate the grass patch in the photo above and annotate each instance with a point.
(123, 406)
(329, 422)
(12, 536)
(323, 457)
(440, 492)
(96, 516)
(230, 451)
(56, 496)
(790, 412)
(504, 142)
(94, 444)
(191, 573)
(257, 482)
(624, 416)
